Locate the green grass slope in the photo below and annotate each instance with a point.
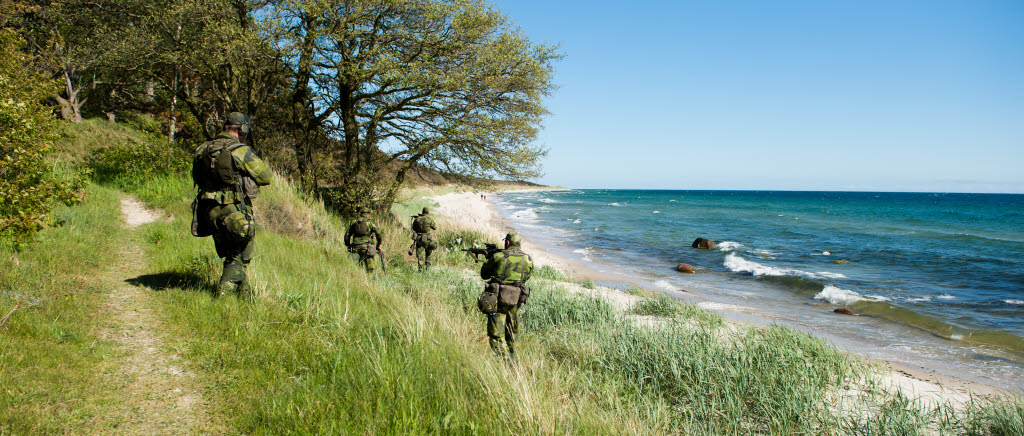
(324, 349)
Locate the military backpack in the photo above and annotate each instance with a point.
(361, 228)
(214, 168)
(419, 225)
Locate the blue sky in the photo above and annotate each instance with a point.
(791, 95)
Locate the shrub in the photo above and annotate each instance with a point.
(28, 187)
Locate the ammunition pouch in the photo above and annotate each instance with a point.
(367, 250)
(426, 240)
(251, 189)
(239, 225)
(487, 302)
(508, 297)
(524, 295)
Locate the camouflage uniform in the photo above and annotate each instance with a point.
(359, 238)
(229, 208)
(424, 242)
(506, 273)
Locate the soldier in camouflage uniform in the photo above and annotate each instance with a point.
(227, 185)
(360, 239)
(506, 273)
(422, 238)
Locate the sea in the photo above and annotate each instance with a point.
(935, 280)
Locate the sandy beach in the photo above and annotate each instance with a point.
(468, 210)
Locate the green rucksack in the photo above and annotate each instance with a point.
(361, 228)
(213, 168)
(419, 225)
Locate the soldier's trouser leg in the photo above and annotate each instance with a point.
(428, 250)
(366, 256)
(236, 260)
(510, 323)
(421, 257)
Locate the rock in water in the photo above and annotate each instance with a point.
(843, 311)
(684, 268)
(703, 243)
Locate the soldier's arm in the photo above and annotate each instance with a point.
(374, 231)
(247, 160)
(528, 268)
(431, 225)
(348, 236)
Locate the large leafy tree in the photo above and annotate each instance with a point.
(445, 84)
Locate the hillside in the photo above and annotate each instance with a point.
(110, 328)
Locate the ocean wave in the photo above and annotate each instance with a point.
(710, 305)
(673, 201)
(844, 297)
(831, 275)
(657, 211)
(528, 214)
(946, 297)
(585, 252)
(1015, 302)
(738, 264)
(919, 299)
(728, 245)
(823, 253)
(665, 284)
(548, 200)
(614, 204)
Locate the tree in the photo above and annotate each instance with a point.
(28, 189)
(445, 84)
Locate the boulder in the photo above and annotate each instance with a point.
(843, 311)
(684, 268)
(703, 243)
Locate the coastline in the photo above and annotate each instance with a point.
(468, 210)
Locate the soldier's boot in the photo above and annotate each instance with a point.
(224, 287)
(512, 361)
(245, 290)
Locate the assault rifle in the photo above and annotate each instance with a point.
(488, 251)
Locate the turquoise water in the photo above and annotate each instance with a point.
(931, 274)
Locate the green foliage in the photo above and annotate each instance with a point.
(661, 305)
(550, 273)
(149, 169)
(28, 186)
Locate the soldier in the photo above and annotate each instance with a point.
(359, 239)
(506, 273)
(229, 174)
(422, 240)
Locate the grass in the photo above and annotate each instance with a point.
(51, 358)
(325, 349)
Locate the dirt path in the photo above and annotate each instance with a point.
(159, 397)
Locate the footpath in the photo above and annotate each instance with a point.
(159, 397)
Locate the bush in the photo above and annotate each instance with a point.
(28, 187)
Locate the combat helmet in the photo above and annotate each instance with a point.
(238, 119)
(365, 211)
(513, 239)
(426, 210)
